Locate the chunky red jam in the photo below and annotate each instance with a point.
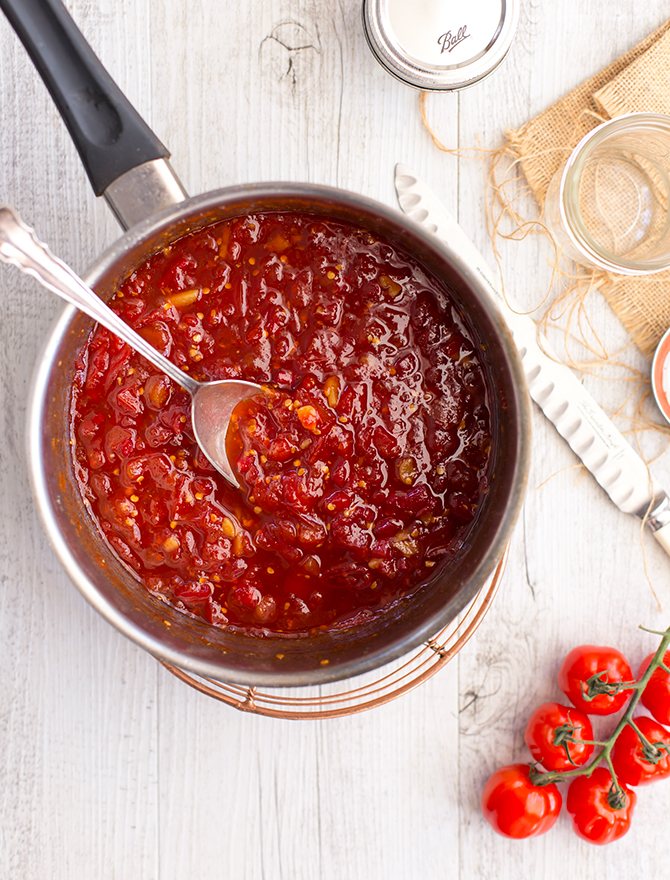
(361, 469)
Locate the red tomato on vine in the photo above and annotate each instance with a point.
(590, 677)
(515, 807)
(555, 734)
(656, 695)
(601, 811)
(635, 762)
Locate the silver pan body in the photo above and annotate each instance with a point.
(224, 655)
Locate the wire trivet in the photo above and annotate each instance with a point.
(396, 679)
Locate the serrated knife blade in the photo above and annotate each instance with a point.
(558, 392)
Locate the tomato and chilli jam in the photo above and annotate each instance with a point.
(363, 465)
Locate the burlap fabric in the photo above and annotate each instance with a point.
(639, 81)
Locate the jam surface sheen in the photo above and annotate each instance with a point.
(363, 464)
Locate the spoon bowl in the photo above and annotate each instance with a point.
(212, 403)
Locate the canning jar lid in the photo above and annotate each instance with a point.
(440, 44)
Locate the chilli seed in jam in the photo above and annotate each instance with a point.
(361, 467)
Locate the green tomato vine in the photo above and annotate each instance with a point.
(597, 684)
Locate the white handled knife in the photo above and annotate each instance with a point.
(552, 385)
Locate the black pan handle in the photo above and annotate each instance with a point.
(109, 134)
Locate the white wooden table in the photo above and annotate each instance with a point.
(110, 767)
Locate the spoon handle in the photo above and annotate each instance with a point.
(20, 247)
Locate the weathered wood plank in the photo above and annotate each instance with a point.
(111, 767)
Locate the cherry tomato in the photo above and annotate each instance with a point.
(593, 670)
(656, 695)
(601, 813)
(554, 735)
(633, 763)
(515, 807)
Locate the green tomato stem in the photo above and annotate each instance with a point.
(643, 738)
(654, 632)
(598, 685)
(651, 751)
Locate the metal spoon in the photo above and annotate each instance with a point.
(212, 403)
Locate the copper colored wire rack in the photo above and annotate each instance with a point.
(358, 694)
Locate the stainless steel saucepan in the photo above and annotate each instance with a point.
(129, 167)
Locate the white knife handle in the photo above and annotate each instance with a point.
(585, 427)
